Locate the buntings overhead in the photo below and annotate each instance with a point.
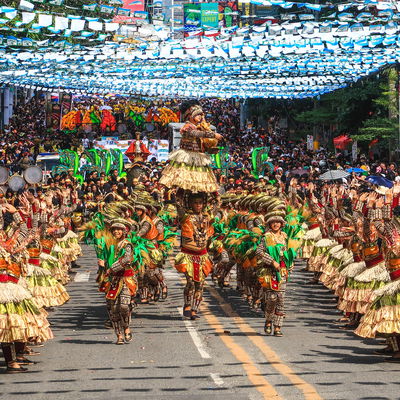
(296, 58)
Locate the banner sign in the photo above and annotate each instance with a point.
(310, 142)
(158, 148)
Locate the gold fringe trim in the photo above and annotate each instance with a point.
(15, 327)
(195, 181)
(376, 273)
(13, 293)
(191, 158)
(386, 320)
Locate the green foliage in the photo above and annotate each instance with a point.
(343, 111)
(378, 128)
(346, 108)
(383, 125)
(319, 116)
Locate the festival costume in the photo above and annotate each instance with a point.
(20, 318)
(273, 281)
(222, 261)
(193, 259)
(121, 287)
(150, 280)
(313, 233)
(382, 317)
(189, 167)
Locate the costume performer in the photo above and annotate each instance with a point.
(273, 270)
(20, 318)
(189, 167)
(193, 260)
(122, 284)
(189, 171)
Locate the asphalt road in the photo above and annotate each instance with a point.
(224, 355)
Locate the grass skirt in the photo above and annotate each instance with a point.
(331, 274)
(55, 266)
(319, 254)
(310, 238)
(71, 249)
(20, 318)
(189, 170)
(358, 293)
(383, 316)
(46, 290)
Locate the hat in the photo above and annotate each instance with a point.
(119, 223)
(274, 218)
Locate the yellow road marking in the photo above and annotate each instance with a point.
(308, 390)
(254, 374)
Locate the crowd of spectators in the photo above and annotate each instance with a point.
(27, 135)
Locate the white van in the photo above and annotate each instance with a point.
(46, 161)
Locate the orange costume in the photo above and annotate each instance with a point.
(193, 259)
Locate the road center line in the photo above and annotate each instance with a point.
(308, 390)
(195, 337)
(217, 379)
(254, 374)
(82, 277)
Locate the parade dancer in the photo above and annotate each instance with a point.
(21, 320)
(190, 167)
(147, 230)
(122, 284)
(162, 288)
(193, 260)
(381, 318)
(189, 171)
(273, 272)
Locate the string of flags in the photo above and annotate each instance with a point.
(296, 57)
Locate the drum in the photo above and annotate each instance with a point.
(4, 174)
(16, 182)
(33, 175)
(3, 189)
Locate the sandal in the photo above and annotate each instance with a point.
(194, 315)
(268, 328)
(278, 333)
(30, 352)
(25, 361)
(36, 344)
(120, 340)
(128, 337)
(187, 313)
(14, 370)
(164, 293)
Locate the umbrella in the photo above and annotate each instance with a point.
(356, 170)
(380, 181)
(299, 171)
(334, 174)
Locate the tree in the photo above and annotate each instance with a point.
(383, 124)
